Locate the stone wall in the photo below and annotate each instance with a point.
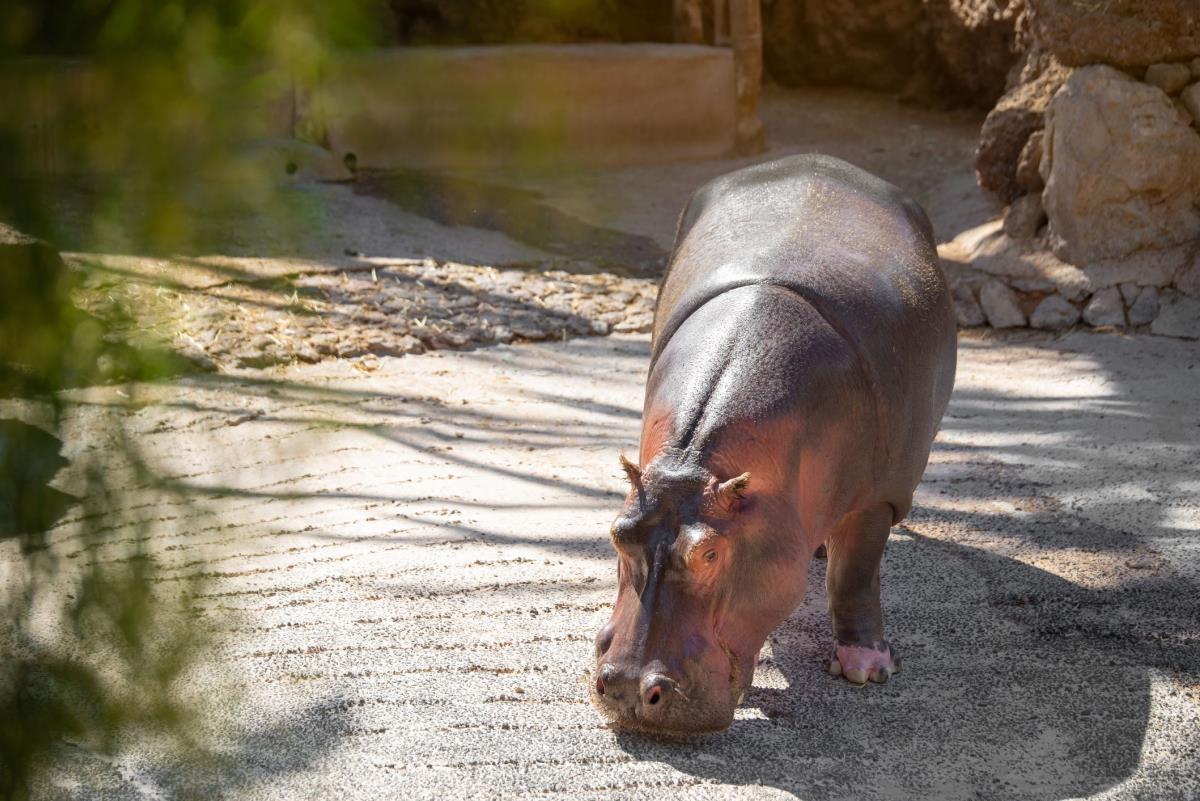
(935, 52)
(1095, 149)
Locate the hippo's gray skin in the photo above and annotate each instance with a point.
(803, 355)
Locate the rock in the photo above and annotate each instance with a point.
(974, 45)
(1188, 280)
(1129, 292)
(1169, 77)
(452, 339)
(1190, 98)
(872, 44)
(1020, 263)
(1145, 309)
(1035, 285)
(1144, 268)
(1054, 313)
(1000, 305)
(307, 353)
(196, 356)
(1195, 67)
(1182, 112)
(1024, 217)
(1028, 175)
(1105, 309)
(1125, 33)
(1179, 316)
(1122, 174)
(1017, 115)
(256, 359)
(636, 324)
(966, 308)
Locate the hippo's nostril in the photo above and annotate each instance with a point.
(604, 677)
(655, 688)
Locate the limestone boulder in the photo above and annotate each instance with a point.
(1018, 115)
(1000, 305)
(1145, 308)
(1105, 309)
(1179, 316)
(966, 308)
(1054, 313)
(1124, 33)
(1122, 173)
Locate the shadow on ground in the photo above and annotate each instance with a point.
(518, 213)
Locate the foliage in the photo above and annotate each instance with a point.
(116, 149)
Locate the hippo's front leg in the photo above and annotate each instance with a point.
(852, 584)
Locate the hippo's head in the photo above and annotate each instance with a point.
(699, 590)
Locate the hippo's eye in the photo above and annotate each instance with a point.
(710, 556)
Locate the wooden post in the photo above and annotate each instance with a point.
(720, 22)
(688, 22)
(745, 27)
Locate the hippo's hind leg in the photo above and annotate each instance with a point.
(852, 584)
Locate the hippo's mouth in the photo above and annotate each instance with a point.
(658, 729)
(702, 719)
(735, 671)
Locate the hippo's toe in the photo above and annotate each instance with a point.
(860, 663)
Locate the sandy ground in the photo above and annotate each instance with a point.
(407, 560)
(408, 566)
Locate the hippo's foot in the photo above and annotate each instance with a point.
(860, 663)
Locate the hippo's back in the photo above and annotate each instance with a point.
(854, 248)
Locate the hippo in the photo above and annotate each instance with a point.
(802, 356)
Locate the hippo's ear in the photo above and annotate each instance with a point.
(633, 471)
(722, 496)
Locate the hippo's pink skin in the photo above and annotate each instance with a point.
(803, 355)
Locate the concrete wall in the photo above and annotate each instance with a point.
(527, 105)
(524, 105)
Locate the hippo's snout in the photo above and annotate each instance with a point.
(644, 698)
(627, 692)
(652, 699)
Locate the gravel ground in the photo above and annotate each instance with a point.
(407, 566)
(370, 308)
